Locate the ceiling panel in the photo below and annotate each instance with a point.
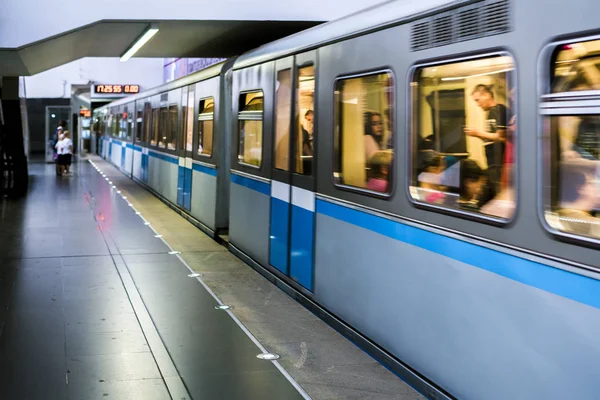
(174, 39)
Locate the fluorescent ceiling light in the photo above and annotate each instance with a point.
(139, 43)
(458, 78)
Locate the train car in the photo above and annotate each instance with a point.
(174, 139)
(422, 175)
(379, 169)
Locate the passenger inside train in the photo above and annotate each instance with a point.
(302, 130)
(379, 171)
(305, 104)
(363, 135)
(205, 126)
(251, 128)
(575, 144)
(578, 201)
(461, 116)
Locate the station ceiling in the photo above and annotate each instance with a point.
(215, 38)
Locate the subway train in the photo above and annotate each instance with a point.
(423, 175)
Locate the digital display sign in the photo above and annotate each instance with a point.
(116, 89)
(85, 113)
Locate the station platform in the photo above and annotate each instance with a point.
(107, 293)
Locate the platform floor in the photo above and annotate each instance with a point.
(92, 305)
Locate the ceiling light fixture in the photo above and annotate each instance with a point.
(150, 32)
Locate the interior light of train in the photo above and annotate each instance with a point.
(139, 43)
(457, 78)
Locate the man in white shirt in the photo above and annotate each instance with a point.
(64, 149)
(67, 151)
(59, 156)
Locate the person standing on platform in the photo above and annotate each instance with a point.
(62, 125)
(67, 146)
(58, 150)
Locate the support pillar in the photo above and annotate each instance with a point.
(14, 177)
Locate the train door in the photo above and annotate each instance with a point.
(136, 165)
(185, 147)
(293, 176)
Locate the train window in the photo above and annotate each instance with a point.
(305, 101)
(110, 118)
(283, 115)
(572, 133)
(188, 123)
(206, 126)
(139, 119)
(116, 118)
(155, 126)
(576, 67)
(163, 127)
(363, 133)
(123, 125)
(172, 129)
(147, 122)
(463, 131)
(130, 125)
(250, 128)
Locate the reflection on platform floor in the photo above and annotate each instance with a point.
(70, 326)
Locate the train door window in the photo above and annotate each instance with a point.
(130, 125)
(109, 122)
(163, 122)
(123, 125)
(188, 124)
(305, 101)
(116, 120)
(250, 128)
(364, 130)
(571, 126)
(172, 129)
(283, 116)
(206, 117)
(155, 126)
(147, 122)
(139, 119)
(463, 134)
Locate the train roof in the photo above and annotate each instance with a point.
(377, 17)
(206, 73)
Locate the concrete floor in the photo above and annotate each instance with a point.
(93, 306)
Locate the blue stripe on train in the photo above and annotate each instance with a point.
(180, 184)
(164, 157)
(123, 156)
(187, 189)
(261, 187)
(301, 246)
(563, 283)
(145, 161)
(278, 252)
(204, 169)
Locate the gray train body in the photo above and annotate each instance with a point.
(472, 309)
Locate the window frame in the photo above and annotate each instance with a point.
(163, 118)
(545, 71)
(200, 101)
(290, 117)
(154, 119)
(172, 131)
(262, 120)
(393, 179)
(296, 125)
(146, 121)
(139, 125)
(410, 129)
